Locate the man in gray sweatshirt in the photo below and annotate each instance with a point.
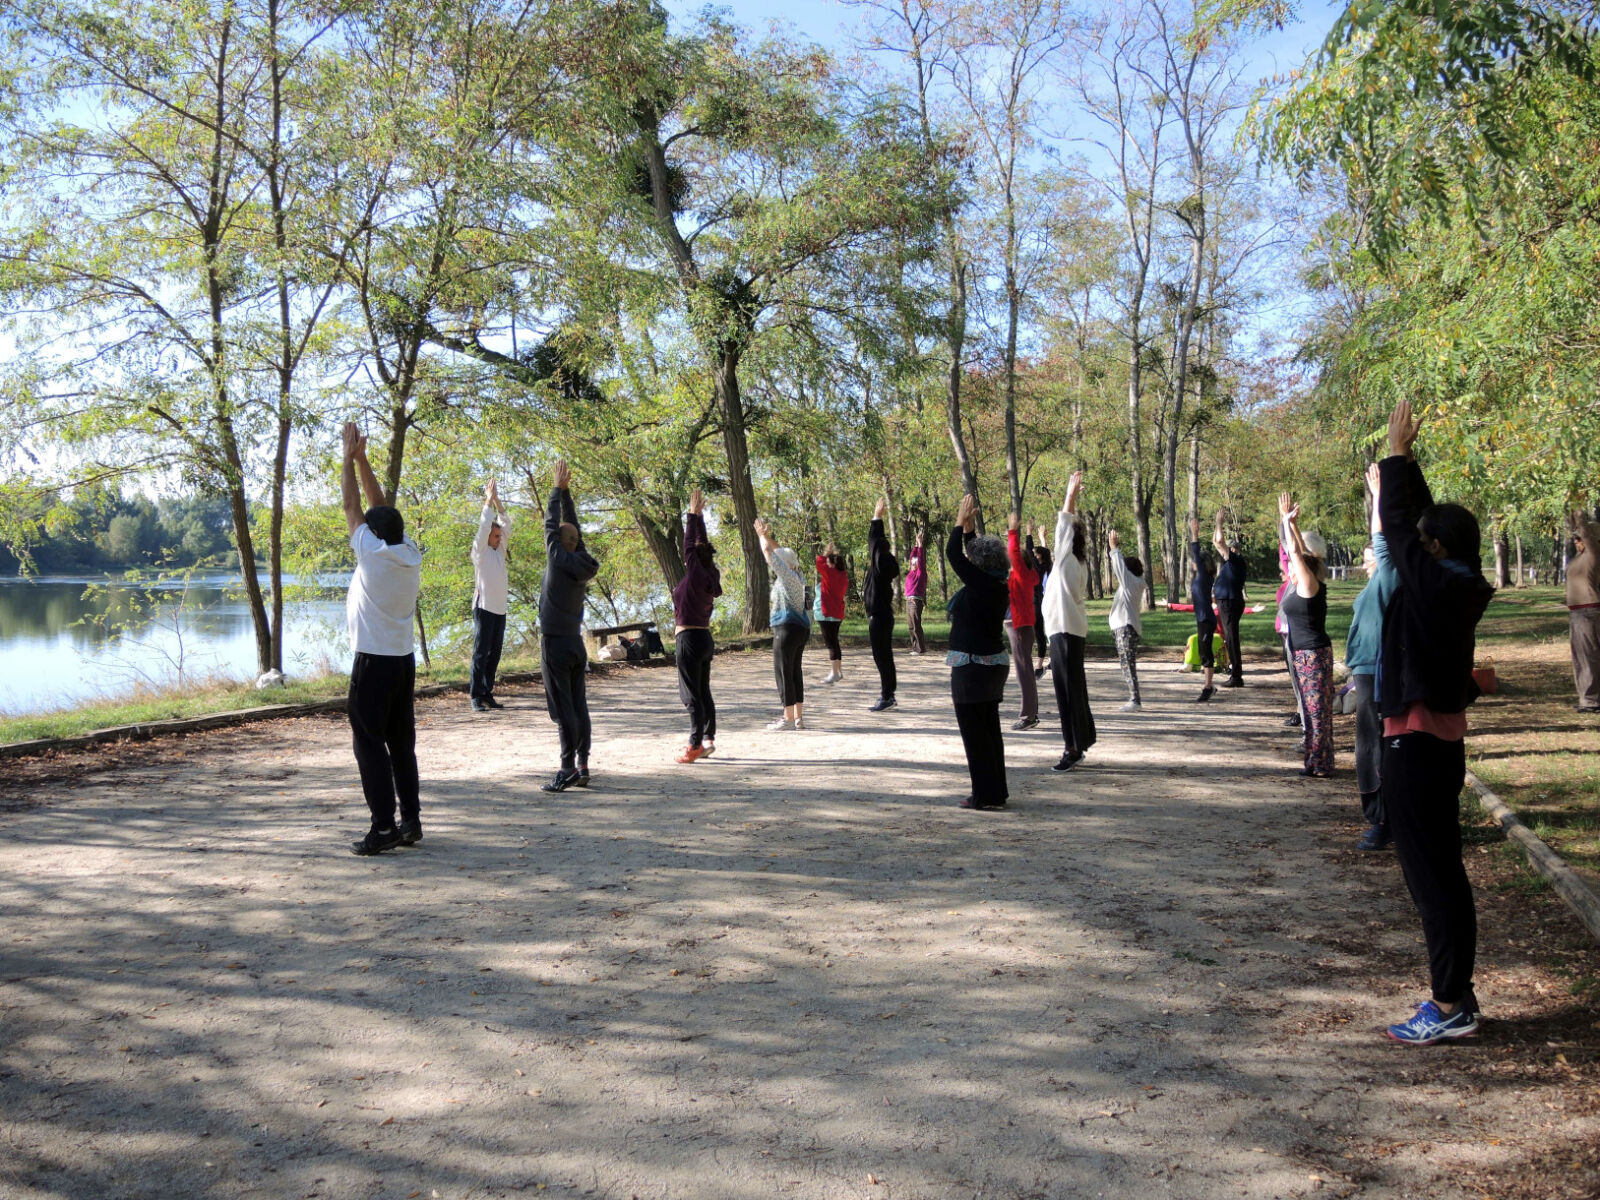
(564, 659)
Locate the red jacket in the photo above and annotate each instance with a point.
(1021, 582)
(834, 582)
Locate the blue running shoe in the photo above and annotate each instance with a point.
(1428, 1025)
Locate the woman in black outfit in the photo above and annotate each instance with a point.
(1042, 562)
(1425, 684)
(978, 659)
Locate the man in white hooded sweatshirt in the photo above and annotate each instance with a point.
(1066, 621)
(379, 611)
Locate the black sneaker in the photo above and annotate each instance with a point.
(583, 778)
(1292, 721)
(1038, 672)
(376, 842)
(562, 781)
(1232, 683)
(1068, 760)
(884, 704)
(410, 832)
(492, 702)
(1022, 723)
(479, 706)
(1375, 838)
(1205, 694)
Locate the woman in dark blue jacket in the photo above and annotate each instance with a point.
(1424, 685)
(978, 657)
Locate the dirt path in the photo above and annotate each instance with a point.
(793, 970)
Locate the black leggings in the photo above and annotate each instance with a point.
(1229, 613)
(1206, 632)
(880, 630)
(977, 692)
(384, 728)
(694, 652)
(1072, 692)
(1422, 781)
(788, 644)
(830, 639)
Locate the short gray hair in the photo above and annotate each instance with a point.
(988, 553)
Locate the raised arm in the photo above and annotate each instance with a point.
(1119, 565)
(694, 525)
(349, 492)
(480, 541)
(883, 560)
(764, 533)
(1305, 579)
(956, 549)
(1069, 511)
(1219, 539)
(369, 481)
(1019, 564)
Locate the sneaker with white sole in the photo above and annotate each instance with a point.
(779, 725)
(1133, 706)
(799, 723)
(1429, 1024)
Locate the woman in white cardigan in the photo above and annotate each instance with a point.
(1066, 621)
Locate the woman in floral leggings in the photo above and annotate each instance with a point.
(1305, 607)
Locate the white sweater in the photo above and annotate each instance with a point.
(1063, 590)
(1130, 592)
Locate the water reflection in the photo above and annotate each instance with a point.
(64, 640)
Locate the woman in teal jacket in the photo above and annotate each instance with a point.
(1362, 648)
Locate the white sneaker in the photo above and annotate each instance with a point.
(778, 726)
(799, 723)
(832, 677)
(1133, 706)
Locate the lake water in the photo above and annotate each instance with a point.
(59, 648)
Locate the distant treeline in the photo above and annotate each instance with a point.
(101, 529)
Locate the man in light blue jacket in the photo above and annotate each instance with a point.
(1362, 652)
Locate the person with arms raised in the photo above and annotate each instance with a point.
(1305, 607)
(1228, 598)
(1362, 646)
(1126, 624)
(490, 597)
(1424, 687)
(379, 610)
(833, 581)
(917, 596)
(977, 656)
(791, 629)
(877, 594)
(1021, 582)
(1067, 622)
(564, 659)
(692, 601)
(1205, 616)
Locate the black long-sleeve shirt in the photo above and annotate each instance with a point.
(877, 587)
(566, 572)
(1200, 586)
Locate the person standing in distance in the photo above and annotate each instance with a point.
(1227, 594)
(1583, 611)
(489, 598)
(563, 657)
(877, 594)
(692, 601)
(379, 610)
(917, 596)
(1205, 617)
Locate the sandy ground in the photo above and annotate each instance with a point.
(796, 969)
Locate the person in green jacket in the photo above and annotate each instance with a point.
(1362, 649)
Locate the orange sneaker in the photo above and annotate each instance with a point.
(690, 753)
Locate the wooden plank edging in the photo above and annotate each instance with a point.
(1578, 895)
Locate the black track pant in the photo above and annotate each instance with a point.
(488, 636)
(1422, 781)
(384, 728)
(564, 659)
(1229, 614)
(788, 645)
(880, 631)
(694, 653)
(1072, 692)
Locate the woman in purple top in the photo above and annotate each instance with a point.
(916, 597)
(691, 608)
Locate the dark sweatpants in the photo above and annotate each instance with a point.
(880, 631)
(1072, 692)
(977, 691)
(383, 724)
(1422, 781)
(694, 652)
(563, 661)
(1369, 750)
(788, 646)
(830, 639)
(1229, 614)
(488, 636)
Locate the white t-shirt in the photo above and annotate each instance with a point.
(490, 563)
(383, 594)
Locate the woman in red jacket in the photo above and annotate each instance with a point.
(832, 581)
(1022, 582)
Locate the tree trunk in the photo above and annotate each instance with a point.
(1013, 304)
(666, 549)
(1502, 555)
(1522, 575)
(757, 588)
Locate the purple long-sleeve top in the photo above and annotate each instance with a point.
(917, 576)
(700, 586)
